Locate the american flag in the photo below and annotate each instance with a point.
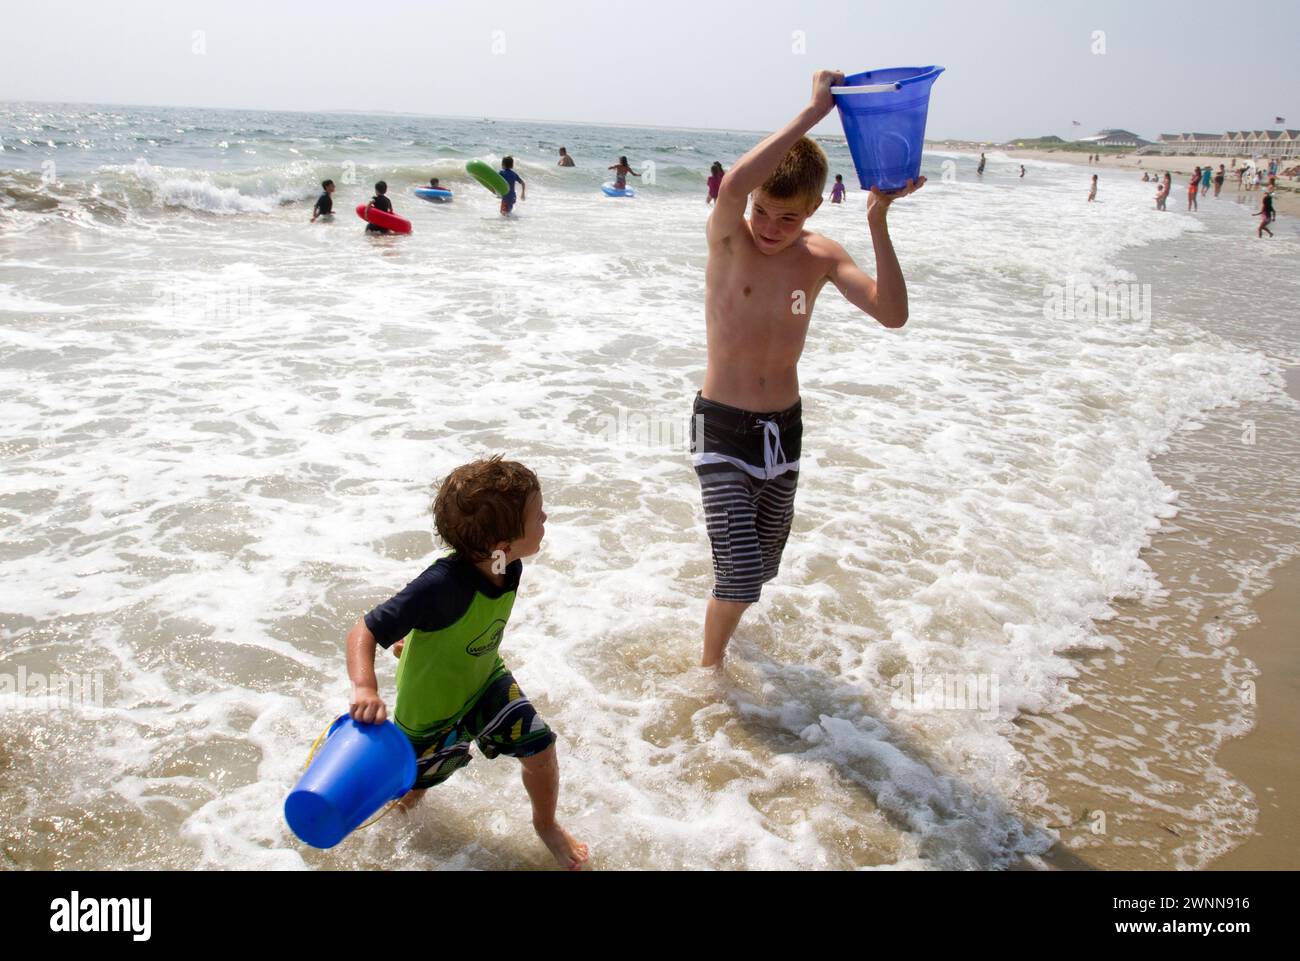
(1279, 119)
(1075, 123)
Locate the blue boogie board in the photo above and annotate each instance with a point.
(435, 194)
(612, 191)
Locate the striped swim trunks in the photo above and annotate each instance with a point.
(748, 466)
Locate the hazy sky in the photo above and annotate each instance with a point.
(1015, 67)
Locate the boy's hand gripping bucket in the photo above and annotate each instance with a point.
(359, 769)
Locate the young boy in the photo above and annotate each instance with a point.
(324, 203)
(508, 174)
(446, 627)
(762, 278)
(380, 201)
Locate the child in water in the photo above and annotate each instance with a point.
(715, 181)
(837, 191)
(511, 178)
(380, 201)
(621, 170)
(324, 203)
(1092, 194)
(761, 282)
(446, 627)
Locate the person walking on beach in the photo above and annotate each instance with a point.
(1193, 188)
(565, 159)
(761, 281)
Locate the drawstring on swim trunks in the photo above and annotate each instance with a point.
(773, 452)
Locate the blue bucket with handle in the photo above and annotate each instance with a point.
(359, 769)
(884, 114)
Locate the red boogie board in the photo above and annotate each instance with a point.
(380, 219)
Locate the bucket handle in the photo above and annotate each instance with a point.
(887, 87)
(868, 88)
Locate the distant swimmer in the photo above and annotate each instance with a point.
(433, 184)
(1092, 194)
(565, 159)
(1022, 171)
(980, 169)
(837, 191)
(621, 170)
(324, 203)
(1146, 177)
(715, 181)
(511, 178)
(380, 201)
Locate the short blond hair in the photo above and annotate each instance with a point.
(801, 174)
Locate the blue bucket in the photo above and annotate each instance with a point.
(884, 113)
(359, 769)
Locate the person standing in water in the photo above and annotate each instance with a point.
(761, 281)
(324, 203)
(621, 170)
(1193, 188)
(380, 201)
(980, 169)
(837, 191)
(1022, 171)
(1218, 180)
(1265, 215)
(1092, 194)
(565, 159)
(511, 178)
(715, 181)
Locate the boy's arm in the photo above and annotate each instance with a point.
(366, 705)
(884, 298)
(752, 170)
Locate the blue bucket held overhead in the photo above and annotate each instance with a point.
(884, 114)
(359, 769)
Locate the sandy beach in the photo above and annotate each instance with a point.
(1287, 196)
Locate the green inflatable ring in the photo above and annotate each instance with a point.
(488, 177)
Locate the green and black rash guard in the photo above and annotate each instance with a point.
(454, 616)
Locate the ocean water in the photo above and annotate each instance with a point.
(222, 427)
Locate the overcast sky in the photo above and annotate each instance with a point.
(1016, 68)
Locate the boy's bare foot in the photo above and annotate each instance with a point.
(408, 801)
(568, 852)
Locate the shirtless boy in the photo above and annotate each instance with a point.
(762, 279)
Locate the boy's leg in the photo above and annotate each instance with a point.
(541, 774)
(720, 620)
(505, 722)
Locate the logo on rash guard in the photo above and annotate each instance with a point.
(489, 640)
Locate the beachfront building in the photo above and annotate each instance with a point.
(1115, 138)
(1264, 144)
